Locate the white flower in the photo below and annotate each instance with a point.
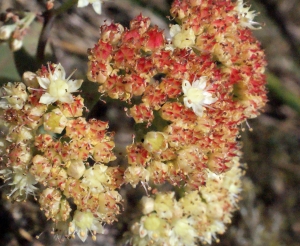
(96, 5)
(96, 178)
(57, 87)
(196, 96)
(185, 230)
(13, 95)
(22, 183)
(182, 38)
(82, 223)
(246, 17)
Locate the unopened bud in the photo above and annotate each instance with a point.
(16, 44)
(5, 31)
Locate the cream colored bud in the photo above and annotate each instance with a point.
(49, 201)
(76, 169)
(16, 44)
(152, 222)
(147, 204)
(30, 79)
(155, 142)
(83, 219)
(164, 204)
(134, 175)
(41, 167)
(6, 31)
(185, 230)
(55, 121)
(96, 178)
(19, 134)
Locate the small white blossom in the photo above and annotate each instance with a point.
(246, 17)
(96, 5)
(22, 183)
(82, 223)
(196, 95)
(13, 95)
(57, 87)
(182, 38)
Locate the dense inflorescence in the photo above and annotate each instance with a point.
(197, 216)
(50, 151)
(189, 96)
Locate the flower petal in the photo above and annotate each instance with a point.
(200, 83)
(97, 226)
(97, 7)
(82, 3)
(68, 98)
(82, 234)
(44, 82)
(198, 110)
(187, 103)
(74, 85)
(174, 30)
(47, 99)
(208, 99)
(185, 86)
(59, 73)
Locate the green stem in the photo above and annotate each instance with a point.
(287, 97)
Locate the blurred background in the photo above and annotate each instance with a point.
(269, 212)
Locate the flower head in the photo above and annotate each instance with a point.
(196, 95)
(58, 87)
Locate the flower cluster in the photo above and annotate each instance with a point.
(198, 216)
(193, 92)
(49, 150)
(189, 94)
